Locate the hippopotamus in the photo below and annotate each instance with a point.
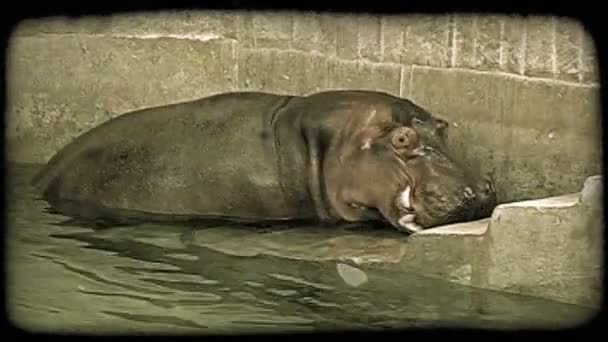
(336, 156)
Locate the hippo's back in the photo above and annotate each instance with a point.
(210, 157)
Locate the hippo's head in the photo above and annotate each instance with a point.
(440, 191)
(399, 170)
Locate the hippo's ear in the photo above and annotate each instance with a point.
(442, 127)
(442, 124)
(439, 126)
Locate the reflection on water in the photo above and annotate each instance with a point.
(158, 279)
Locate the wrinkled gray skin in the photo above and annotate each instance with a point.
(335, 156)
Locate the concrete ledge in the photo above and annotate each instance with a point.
(549, 248)
(474, 228)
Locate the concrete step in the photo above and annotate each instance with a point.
(548, 247)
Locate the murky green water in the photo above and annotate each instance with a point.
(158, 279)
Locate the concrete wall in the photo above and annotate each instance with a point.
(522, 93)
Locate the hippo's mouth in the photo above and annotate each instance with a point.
(406, 215)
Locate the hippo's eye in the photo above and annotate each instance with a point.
(404, 137)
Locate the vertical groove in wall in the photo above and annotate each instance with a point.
(475, 35)
(405, 37)
(454, 36)
(411, 82)
(581, 51)
(501, 45)
(401, 81)
(382, 23)
(524, 47)
(254, 28)
(292, 30)
(554, 46)
(357, 24)
(235, 52)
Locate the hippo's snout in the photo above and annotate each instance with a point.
(439, 203)
(486, 198)
(476, 202)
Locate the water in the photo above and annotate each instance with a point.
(163, 279)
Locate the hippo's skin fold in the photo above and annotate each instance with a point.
(333, 156)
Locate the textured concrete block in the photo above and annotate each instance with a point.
(62, 24)
(174, 22)
(227, 21)
(60, 85)
(182, 23)
(540, 44)
(550, 247)
(428, 41)
(394, 28)
(273, 29)
(316, 33)
(590, 64)
(255, 68)
(244, 29)
(406, 78)
(464, 32)
(427, 252)
(370, 37)
(428, 255)
(284, 72)
(488, 50)
(568, 49)
(478, 40)
(592, 194)
(347, 36)
(502, 125)
(513, 45)
(366, 76)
